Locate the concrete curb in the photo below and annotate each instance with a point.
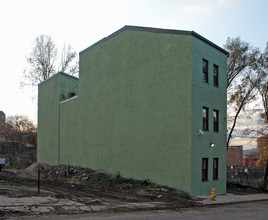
(232, 199)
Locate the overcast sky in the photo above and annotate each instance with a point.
(83, 22)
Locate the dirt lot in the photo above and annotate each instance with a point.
(86, 187)
(91, 188)
(97, 189)
(239, 189)
(78, 184)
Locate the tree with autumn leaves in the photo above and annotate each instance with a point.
(262, 151)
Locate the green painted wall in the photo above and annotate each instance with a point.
(205, 94)
(138, 110)
(49, 95)
(48, 112)
(132, 87)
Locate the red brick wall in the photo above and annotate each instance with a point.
(235, 156)
(262, 141)
(250, 162)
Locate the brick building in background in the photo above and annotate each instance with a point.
(251, 158)
(2, 125)
(235, 156)
(262, 141)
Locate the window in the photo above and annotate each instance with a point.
(215, 75)
(205, 118)
(216, 120)
(204, 169)
(3, 124)
(3, 118)
(205, 71)
(215, 168)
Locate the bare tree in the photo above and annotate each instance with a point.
(262, 68)
(41, 61)
(241, 81)
(244, 93)
(241, 56)
(68, 63)
(44, 62)
(20, 128)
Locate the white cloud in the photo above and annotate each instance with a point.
(226, 2)
(221, 2)
(199, 9)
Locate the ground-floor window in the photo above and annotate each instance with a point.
(215, 168)
(204, 169)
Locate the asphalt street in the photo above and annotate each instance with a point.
(250, 210)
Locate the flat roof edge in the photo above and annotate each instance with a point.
(57, 74)
(157, 30)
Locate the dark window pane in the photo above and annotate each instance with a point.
(215, 75)
(205, 71)
(204, 169)
(215, 168)
(216, 120)
(205, 118)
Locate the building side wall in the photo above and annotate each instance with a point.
(48, 122)
(134, 97)
(49, 116)
(70, 153)
(67, 84)
(138, 111)
(207, 95)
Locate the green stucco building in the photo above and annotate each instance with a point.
(149, 103)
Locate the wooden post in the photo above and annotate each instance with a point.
(38, 181)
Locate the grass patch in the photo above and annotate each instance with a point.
(132, 186)
(103, 180)
(20, 193)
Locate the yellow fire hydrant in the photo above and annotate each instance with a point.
(212, 194)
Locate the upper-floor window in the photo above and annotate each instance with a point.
(215, 75)
(205, 118)
(3, 117)
(216, 120)
(205, 71)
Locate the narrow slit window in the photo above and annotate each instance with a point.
(215, 168)
(205, 71)
(205, 118)
(204, 169)
(215, 75)
(216, 120)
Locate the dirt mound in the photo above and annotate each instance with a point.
(36, 166)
